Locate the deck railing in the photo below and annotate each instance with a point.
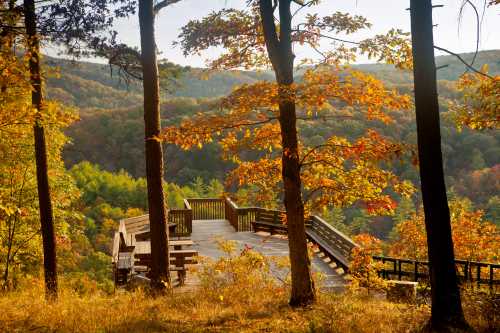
(331, 236)
(479, 273)
(239, 217)
(183, 220)
(332, 242)
(207, 208)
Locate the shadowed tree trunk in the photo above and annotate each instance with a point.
(446, 306)
(282, 57)
(46, 216)
(154, 155)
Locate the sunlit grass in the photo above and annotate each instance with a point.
(27, 310)
(236, 294)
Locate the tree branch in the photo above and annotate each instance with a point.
(162, 4)
(463, 61)
(269, 28)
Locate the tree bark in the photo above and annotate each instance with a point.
(10, 240)
(282, 57)
(154, 155)
(46, 215)
(446, 306)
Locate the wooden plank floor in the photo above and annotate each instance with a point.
(206, 232)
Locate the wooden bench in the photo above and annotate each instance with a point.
(269, 221)
(272, 228)
(145, 234)
(178, 244)
(123, 244)
(183, 258)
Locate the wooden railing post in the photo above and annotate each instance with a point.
(490, 282)
(478, 276)
(466, 271)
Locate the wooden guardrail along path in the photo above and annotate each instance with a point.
(331, 242)
(474, 272)
(207, 208)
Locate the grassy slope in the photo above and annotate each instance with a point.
(194, 312)
(235, 293)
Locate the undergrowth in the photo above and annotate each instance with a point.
(237, 293)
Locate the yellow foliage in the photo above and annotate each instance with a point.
(20, 249)
(474, 239)
(195, 311)
(363, 268)
(337, 172)
(480, 108)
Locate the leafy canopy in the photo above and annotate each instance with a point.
(245, 123)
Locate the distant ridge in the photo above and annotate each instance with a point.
(91, 85)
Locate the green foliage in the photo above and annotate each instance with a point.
(114, 139)
(118, 190)
(20, 241)
(493, 210)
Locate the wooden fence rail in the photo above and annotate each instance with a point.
(240, 218)
(337, 246)
(183, 220)
(207, 208)
(333, 243)
(479, 273)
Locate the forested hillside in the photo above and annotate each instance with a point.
(92, 85)
(110, 132)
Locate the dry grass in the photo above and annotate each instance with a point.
(136, 312)
(237, 294)
(196, 312)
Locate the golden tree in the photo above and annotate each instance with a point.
(262, 117)
(20, 241)
(480, 107)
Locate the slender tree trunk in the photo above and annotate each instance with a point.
(46, 216)
(282, 57)
(6, 36)
(154, 154)
(10, 240)
(446, 306)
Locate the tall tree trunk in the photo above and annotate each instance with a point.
(10, 241)
(46, 216)
(154, 154)
(446, 306)
(282, 57)
(7, 260)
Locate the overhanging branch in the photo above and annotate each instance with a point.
(463, 61)
(162, 4)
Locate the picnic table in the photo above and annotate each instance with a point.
(180, 256)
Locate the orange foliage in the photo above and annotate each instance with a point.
(363, 268)
(480, 108)
(336, 172)
(245, 123)
(473, 238)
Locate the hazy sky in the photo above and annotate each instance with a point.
(384, 14)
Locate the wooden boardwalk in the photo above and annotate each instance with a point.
(207, 232)
(205, 220)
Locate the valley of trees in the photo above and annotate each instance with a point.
(111, 137)
(84, 145)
